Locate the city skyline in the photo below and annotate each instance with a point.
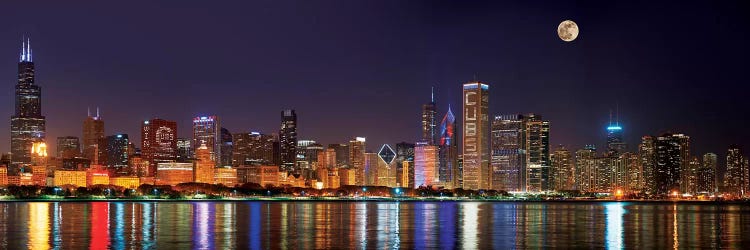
(61, 60)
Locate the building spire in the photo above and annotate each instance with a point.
(432, 94)
(25, 49)
(97, 113)
(88, 111)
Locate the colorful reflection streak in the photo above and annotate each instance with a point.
(347, 225)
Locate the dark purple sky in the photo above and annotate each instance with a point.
(362, 68)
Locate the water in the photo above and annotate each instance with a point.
(316, 225)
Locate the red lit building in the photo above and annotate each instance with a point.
(158, 142)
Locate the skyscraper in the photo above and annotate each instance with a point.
(68, 147)
(116, 151)
(586, 169)
(709, 176)
(226, 148)
(615, 142)
(93, 131)
(425, 164)
(563, 170)
(288, 140)
(669, 157)
(476, 157)
(158, 142)
(429, 124)
(342, 154)
(252, 148)
(536, 147)
(647, 156)
(184, 149)
(207, 130)
(387, 167)
(204, 165)
(28, 125)
(508, 169)
(405, 164)
(736, 178)
(448, 151)
(357, 159)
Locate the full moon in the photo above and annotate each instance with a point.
(567, 30)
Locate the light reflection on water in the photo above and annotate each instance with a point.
(448, 225)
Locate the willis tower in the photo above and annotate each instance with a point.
(27, 125)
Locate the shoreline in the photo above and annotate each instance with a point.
(384, 200)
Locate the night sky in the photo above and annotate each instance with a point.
(363, 68)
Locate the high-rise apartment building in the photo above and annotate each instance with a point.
(158, 142)
(563, 170)
(207, 130)
(736, 180)
(288, 140)
(115, 151)
(670, 157)
(27, 125)
(475, 123)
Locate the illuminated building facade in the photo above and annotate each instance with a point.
(158, 141)
(646, 154)
(586, 167)
(70, 177)
(125, 181)
(173, 173)
(27, 125)
(736, 177)
(669, 155)
(537, 153)
(264, 175)
(93, 132)
(563, 169)
(476, 156)
(327, 159)
(226, 176)
(206, 130)
(288, 140)
(252, 148)
(425, 164)
(307, 153)
(68, 147)
(204, 166)
(39, 175)
(386, 167)
(3, 175)
(706, 176)
(357, 159)
(372, 164)
(508, 156)
(448, 151)
(96, 176)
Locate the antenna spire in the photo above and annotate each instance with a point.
(88, 111)
(610, 117)
(97, 112)
(28, 43)
(617, 113)
(432, 94)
